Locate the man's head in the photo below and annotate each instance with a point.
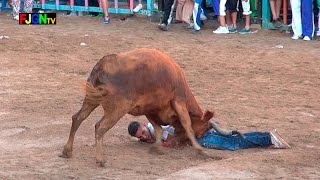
(140, 131)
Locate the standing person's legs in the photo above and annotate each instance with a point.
(246, 13)
(168, 5)
(105, 7)
(318, 33)
(196, 14)
(28, 4)
(179, 10)
(231, 15)
(138, 7)
(296, 19)
(221, 13)
(275, 6)
(187, 11)
(278, 7)
(307, 19)
(273, 9)
(16, 8)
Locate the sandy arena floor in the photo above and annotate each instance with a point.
(249, 81)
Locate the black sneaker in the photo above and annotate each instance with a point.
(278, 23)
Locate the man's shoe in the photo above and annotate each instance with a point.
(296, 37)
(277, 23)
(233, 30)
(245, 31)
(106, 20)
(16, 17)
(278, 141)
(163, 27)
(221, 30)
(137, 8)
(306, 38)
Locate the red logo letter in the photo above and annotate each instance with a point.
(22, 18)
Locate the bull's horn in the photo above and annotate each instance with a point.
(225, 132)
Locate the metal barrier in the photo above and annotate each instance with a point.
(57, 6)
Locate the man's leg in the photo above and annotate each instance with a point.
(167, 11)
(105, 7)
(246, 13)
(307, 19)
(296, 19)
(273, 9)
(214, 140)
(222, 13)
(196, 15)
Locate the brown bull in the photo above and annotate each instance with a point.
(140, 82)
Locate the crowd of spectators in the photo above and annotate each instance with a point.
(192, 13)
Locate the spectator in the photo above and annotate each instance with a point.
(75, 13)
(16, 7)
(138, 7)
(318, 33)
(302, 19)
(184, 11)
(105, 7)
(168, 8)
(231, 15)
(219, 10)
(198, 15)
(246, 14)
(275, 6)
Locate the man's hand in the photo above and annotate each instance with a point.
(166, 143)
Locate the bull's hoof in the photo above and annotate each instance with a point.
(66, 154)
(101, 163)
(156, 150)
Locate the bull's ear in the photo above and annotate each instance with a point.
(207, 115)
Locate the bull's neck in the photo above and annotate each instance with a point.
(193, 106)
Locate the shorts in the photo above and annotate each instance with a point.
(232, 6)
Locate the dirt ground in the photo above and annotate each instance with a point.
(249, 80)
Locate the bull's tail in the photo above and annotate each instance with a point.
(93, 94)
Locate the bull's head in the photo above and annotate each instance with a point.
(201, 126)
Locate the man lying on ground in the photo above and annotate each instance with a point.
(212, 138)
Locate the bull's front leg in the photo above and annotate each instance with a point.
(181, 110)
(156, 148)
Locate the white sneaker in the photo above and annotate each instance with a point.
(306, 38)
(203, 17)
(137, 8)
(221, 30)
(80, 13)
(16, 17)
(277, 141)
(318, 33)
(296, 37)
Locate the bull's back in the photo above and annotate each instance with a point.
(139, 71)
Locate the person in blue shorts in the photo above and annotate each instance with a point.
(212, 139)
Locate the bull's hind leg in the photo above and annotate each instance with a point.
(81, 115)
(181, 109)
(112, 114)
